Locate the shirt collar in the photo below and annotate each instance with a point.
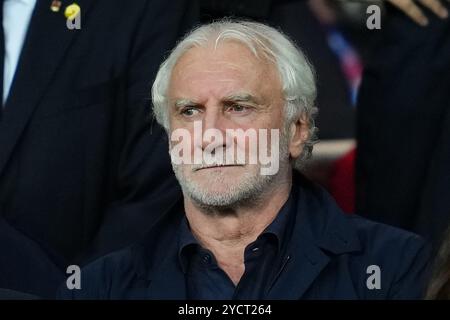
(279, 226)
(277, 229)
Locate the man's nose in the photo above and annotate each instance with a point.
(214, 119)
(214, 128)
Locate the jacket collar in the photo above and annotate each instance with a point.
(321, 230)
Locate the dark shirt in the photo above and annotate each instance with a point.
(263, 260)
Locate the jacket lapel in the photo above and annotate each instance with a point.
(47, 41)
(168, 282)
(301, 267)
(321, 231)
(156, 258)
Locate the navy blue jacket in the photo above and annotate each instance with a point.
(329, 256)
(26, 268)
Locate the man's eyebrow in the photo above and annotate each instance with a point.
(242, 97)
(180, 103)
(237, 97)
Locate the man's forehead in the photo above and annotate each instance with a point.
(225, 64)
(230, 53)
(228, 72)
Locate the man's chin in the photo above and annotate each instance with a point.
(217, 200)
(214, 189)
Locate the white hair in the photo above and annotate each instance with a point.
(296, 73)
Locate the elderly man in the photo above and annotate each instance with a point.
(242, 232)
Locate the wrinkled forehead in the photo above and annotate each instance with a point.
(228, 60)
(226, 49)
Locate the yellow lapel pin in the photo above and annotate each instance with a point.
(72, 11)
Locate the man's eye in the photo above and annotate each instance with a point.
(238, 108)
(189, 111)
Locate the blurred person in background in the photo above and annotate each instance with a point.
(83, 168)
(403, 121)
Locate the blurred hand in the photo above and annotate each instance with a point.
(415, 12)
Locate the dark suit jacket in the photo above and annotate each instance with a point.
(329, 256)
(403, 155)
(80, 157)
(25, 266)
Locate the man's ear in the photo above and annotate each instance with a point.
(299, 134)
